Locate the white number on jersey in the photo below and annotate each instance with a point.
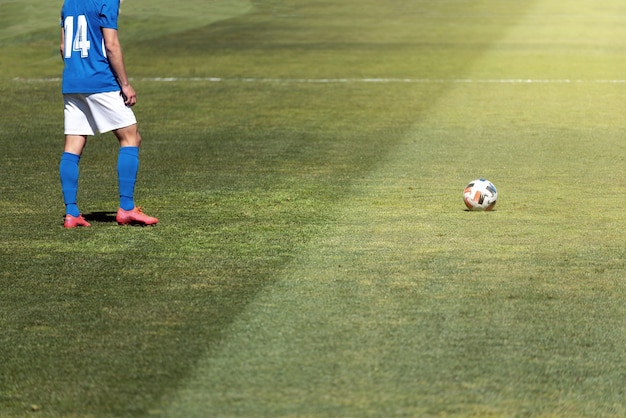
(76, 41)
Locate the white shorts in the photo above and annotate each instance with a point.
(86, 114)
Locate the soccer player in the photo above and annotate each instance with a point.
(98, 98)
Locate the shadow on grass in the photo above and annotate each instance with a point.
(100, 217)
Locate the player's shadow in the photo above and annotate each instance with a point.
(100, 217)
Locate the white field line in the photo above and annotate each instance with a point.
(344, 80)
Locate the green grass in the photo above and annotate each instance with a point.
(313, 256)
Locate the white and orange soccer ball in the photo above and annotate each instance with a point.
(480, 194)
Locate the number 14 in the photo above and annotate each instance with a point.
(76, 41)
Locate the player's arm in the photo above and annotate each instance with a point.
(62, 46)
(116, 61)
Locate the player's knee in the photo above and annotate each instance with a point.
(129, 136)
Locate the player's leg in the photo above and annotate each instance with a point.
(69, 173)
(128, 164)
(127, 169)
(111, 114)
(78, 124)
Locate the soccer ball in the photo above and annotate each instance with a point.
(480, 194)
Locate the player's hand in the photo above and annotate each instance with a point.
(129, 95)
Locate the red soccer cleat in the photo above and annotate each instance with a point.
(134, 217)
(74, 221)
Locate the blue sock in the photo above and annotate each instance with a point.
(127, 168)
(68, 169)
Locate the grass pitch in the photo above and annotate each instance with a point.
(314, 257)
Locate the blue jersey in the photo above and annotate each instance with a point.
(87, 69)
